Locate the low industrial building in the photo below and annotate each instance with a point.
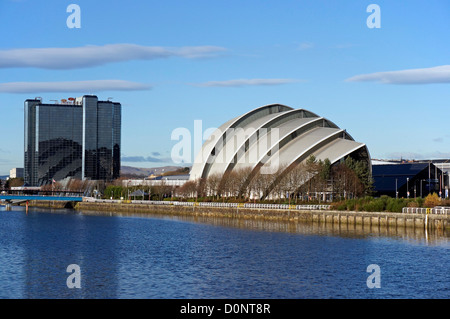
(409, 180)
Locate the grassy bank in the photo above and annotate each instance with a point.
(388, 204)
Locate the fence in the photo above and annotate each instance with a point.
(212, 204)
(406, 210)
(418, 210)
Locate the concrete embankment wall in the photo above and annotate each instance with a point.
(380, 219)
(49, 204)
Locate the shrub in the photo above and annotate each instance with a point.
(432, 200)
(375, 205)
(381, 204)
(395, 205)
(351, 204)
(419, 201)
(412, 203)
(341, 205)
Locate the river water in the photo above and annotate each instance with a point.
(151, 256)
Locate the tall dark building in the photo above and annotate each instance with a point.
(78, 137)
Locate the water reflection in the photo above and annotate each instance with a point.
(52, 244)
(157, 256)
(12, 256)
(412, 234)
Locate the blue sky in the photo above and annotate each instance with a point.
(172, 62)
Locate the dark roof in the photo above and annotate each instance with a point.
(399, 169)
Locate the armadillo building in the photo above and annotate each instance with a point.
(274, 136)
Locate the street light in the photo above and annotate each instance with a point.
(407, 187)
(415, 190)
(396, 192)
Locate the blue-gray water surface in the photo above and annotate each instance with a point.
(160, 257)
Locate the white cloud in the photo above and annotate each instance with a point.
(93, 55)
(245, 82)
(72, 86)
(438, 74)
(305, 46)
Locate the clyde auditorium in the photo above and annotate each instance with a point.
(274, 136)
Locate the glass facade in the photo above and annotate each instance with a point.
(80, 140)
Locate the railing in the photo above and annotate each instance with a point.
(418, 210)
(405, 210)
(212, 204)
(41, 198)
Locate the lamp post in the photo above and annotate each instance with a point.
(407, 187)
(396, 192)
(415, 190)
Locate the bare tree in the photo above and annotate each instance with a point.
(229, 184)
(241, 179)
(188, 190)
(212, 184)
(201, 187)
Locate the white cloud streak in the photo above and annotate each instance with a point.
(72, 86)
(93, 55)
(245, 82)
(438, 74)
(305, 46)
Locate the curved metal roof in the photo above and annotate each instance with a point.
(273, 135)
(221, 136)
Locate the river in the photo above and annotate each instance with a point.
(155, 257)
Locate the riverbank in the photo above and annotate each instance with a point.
(372, 219)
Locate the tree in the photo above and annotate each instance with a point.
(201, 189)
(256, 186)
(345, 181)
(212, 184)
(188, 190)
(229, 184)
(298, 178)
(14, 182)
(242, 176)
(432, 200)
(312, 168)
(116, 192)
(362, 172)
